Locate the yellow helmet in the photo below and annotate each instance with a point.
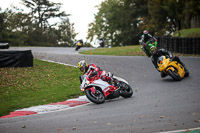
(153, 49)
(82, 65)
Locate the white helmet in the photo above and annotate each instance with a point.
(145, 32)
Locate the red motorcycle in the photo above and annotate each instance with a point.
(97, 90)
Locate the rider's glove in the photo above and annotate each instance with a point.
(109, 74)
(170, 56)
(93, 74)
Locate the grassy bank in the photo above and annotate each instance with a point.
(42, 84)
(117, 51)
(194, 32)
(123, 51)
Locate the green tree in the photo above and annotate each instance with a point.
(117, 22)
(43, 10)
(104, 25)
(14, 27)
(67, 33)
(3, 36)
(190, 9)
(176, 15)
(42, 32)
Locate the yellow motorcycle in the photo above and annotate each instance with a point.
(172, 68)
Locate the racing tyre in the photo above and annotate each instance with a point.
(125, 90)
(174, 75)
(187, 73)
(77, 48)
(146, 51)
(97, 98)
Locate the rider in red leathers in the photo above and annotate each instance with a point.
(91, 70)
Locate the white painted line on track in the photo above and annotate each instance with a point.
(58, 62)
(53, 107)
(182, 130)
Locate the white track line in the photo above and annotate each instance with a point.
(183, 130)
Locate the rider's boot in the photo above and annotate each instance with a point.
(176, 58)
(186, 70)
(179, 61)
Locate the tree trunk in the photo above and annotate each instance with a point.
(187, 17)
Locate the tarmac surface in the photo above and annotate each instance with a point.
(157, 104)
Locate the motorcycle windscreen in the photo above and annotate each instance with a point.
(163, 63)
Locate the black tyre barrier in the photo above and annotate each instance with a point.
(23, 58)
(4, 45)
(183, 45)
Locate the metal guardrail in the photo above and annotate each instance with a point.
(184, 45)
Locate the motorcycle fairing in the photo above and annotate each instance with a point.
(109, 90)
(170, 68)
(163, 65)
(79, 44)
(100, 83)
(178, 67)
(106, 88)
(92, 89)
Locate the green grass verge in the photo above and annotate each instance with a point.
(42, 84)
(194, 32)
(123, 51)
(117, 51)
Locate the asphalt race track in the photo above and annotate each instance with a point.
(157, 104)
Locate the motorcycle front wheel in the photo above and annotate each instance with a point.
(146, 51)
(125, 90)
(174, 75)
(97, 98)
(77, 48)
(187, 73)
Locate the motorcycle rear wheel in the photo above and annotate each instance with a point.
(97, 98)
(125, 90)
(174, 75)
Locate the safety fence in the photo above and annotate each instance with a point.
(183, 45)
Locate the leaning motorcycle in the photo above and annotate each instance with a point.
(146, 46)
(78, 46)
(172, 68)
(97, 90)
